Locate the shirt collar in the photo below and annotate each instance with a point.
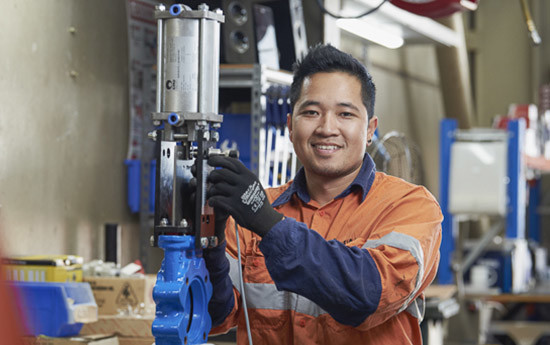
(362, 181)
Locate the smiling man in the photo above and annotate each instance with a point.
(339, 255)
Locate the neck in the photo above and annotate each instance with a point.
(324, 189)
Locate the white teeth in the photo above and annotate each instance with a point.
(327, 147)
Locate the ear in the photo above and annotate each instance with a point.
(289, 125)
(373, 123)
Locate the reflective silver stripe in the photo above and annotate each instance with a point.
(417, 309)
(266, 296)
(410, 244)
(234, 271)
(305, 306)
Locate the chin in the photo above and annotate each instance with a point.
(332, 172)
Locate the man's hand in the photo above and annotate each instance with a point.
(236, 190)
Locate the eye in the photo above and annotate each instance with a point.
(309, 112)
(346, 114)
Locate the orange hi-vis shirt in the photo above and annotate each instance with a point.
(350, 272)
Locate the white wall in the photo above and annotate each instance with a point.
(63, 139)
(504, 58)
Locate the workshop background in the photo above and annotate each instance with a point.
(65, 109)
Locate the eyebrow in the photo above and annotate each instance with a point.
(348, 105)
(317, 103)
(308, 103)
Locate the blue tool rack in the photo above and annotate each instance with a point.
(516, 208)
(258, 79)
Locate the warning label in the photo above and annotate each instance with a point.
(127, 296)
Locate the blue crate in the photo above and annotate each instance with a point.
(55, 309)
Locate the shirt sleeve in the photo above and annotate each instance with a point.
(222, 302)
(225, 305)
(364, 284)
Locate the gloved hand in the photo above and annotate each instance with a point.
(236, 190)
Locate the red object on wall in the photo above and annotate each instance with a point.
(435, 8)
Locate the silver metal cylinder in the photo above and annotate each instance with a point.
(181, 65)
(209, 66)
(190, 58)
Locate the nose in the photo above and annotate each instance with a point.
(328, 124)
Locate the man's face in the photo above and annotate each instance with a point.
(329, 127)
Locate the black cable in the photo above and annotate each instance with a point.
(337, 16)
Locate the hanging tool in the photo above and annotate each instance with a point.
(270, 114)
(533, 33)
(278, 138)
(287, 145)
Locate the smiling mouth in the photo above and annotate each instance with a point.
(326, 147)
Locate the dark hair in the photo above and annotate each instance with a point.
(326, 58)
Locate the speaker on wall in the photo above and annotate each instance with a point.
(248, 26)
(239, 42)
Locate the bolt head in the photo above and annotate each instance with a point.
(203, 7)
(213, 241)
(152, 135)
(184, 223)
(164, 222)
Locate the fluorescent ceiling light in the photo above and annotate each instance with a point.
(371, 32)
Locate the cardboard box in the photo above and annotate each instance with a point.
(114, 295)
(123, 326)
(95, 339)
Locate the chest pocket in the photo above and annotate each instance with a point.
(255, 270)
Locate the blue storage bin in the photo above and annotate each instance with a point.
(56, 309)
(133, 174)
